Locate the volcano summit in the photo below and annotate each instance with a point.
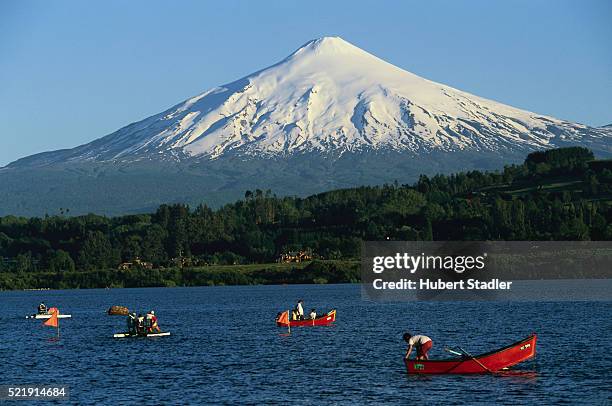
(329, 115)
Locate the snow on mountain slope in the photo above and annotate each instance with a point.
(331, 97)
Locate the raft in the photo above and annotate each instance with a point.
(45, 316)
(131, 335)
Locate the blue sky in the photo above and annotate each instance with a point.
(73, 71)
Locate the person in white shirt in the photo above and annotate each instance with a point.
(140, 324)
(300, 309)
(313, 314)
(422, 343)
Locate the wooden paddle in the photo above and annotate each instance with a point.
(474, 358)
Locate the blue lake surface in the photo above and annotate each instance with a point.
(225, 348)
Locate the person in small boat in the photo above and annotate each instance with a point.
(140, 324)
(131, 323)
(154, 327)
(148, 322)
(299, 308)
(42, 308)
(422, 343)
(313, 314)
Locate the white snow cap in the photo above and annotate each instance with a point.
(330, 96)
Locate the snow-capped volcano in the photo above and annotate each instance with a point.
(328, 116)
(332, 97)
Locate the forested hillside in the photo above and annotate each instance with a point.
(561, 194)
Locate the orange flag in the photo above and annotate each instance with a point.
(53, 321)
(284, 318)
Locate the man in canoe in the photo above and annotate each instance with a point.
(42, 308)
(299, 309)
(422, 343)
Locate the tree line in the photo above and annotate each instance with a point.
(561, 194)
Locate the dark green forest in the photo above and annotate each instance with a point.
(562, 194)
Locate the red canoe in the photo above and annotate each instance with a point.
(324, 320)
(485, 363)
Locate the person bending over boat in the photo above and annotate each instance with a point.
(422, 343)
(42, 308)
(300, 309)
(313, 314)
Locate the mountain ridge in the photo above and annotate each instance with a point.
(328, 116)
(329, 96)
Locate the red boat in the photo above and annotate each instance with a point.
(324, 320)
(489, 362)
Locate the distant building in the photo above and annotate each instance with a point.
(136, 263)
(296, 256)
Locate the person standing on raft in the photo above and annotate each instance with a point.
(140, 324)
(422, 343)
(131, 323)
(154, 327)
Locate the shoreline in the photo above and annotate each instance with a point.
(311, 272)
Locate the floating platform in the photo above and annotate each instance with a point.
(130, 335)
(45, 316)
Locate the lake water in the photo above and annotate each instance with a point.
(226, 348)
